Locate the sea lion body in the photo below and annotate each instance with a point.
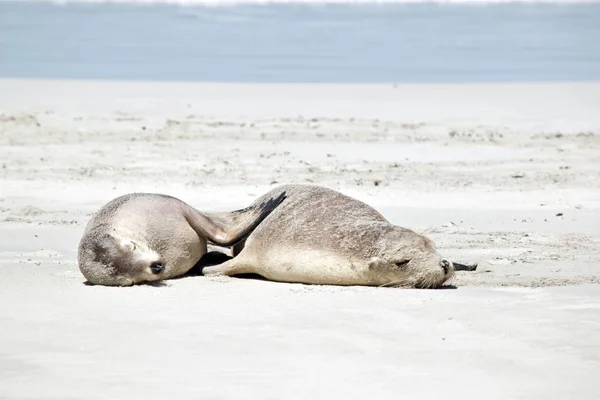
(144, 237)
(320, 236)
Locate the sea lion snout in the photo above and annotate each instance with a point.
(157, 267)
(446, 265)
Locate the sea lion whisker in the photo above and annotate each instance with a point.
(398, 283)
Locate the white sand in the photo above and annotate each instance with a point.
(506, 175)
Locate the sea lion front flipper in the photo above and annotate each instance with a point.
(464, 267)
(228, 268)
(226, 229)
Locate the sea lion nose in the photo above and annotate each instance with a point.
(445, 264)
(157, 267)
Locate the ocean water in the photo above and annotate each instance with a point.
(301, 42)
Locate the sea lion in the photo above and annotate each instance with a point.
(320, 236)
(144, 237)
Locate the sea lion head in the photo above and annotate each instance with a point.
(110, 260)
(405, 258)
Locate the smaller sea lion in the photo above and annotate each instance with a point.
(144, 237)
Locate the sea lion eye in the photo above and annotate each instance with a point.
(157, 267)
(402, 263)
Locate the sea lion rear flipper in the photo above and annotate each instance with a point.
(226, 229)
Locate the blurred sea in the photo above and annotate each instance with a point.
(302, 42)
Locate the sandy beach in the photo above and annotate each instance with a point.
(504, 175)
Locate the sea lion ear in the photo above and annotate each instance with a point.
(374, 262)
(127, 245)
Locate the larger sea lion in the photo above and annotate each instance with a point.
(144, 237)
(320, 236)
